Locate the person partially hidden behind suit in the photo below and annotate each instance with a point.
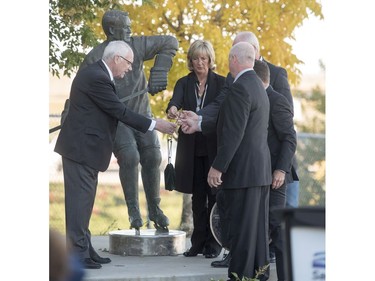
(282, 142)
(195, 152)
(242, 166)
(85, 141)
(132, 148)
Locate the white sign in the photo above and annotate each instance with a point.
(308, 253)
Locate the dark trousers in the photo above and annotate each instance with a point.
(247, 217)
(222, 205)
(202, 239)
(80, 183)
(277, 200)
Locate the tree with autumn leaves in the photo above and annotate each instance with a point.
(75, 27)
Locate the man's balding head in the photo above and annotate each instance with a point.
(249, 37)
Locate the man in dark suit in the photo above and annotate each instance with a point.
(86, 140)
(135, 150)
(282, 142)
(279, 82)
(242, 166)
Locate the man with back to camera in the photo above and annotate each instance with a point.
(86, 139)
(242, 166)
(132, 148)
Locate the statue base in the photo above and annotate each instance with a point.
(149, 243)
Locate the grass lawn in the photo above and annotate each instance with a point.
(110, 211)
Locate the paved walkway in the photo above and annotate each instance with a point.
(155, 268)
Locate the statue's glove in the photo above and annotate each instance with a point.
(159, 74)
(158, 80)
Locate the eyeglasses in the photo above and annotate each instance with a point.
(128, 61)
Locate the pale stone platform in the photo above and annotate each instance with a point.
(148, 243)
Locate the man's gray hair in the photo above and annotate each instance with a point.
(248, 36)
(244, 52)
(115, 48)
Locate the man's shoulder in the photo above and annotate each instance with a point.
(248, 80)
(248, 77)
(93, 70)
(276, 97)
(275, 68)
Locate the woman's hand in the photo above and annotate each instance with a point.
(172, 112)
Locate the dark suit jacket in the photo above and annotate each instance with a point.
(210, 112)
(242, 152)
(89, 129)
(184, 97)
(282, 139)
(279, 82)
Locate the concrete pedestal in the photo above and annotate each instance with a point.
(148, 243)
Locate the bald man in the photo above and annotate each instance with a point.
(242, 166)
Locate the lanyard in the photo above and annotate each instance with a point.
(200, 100)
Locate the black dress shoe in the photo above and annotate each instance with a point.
(99, 259)
(96, 258)
(224, 262)
(90, 264)
(190, 254)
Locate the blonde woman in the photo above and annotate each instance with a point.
(195, 152)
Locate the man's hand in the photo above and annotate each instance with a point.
(165, 127)
(189, 122)
(187, 114)
(173, 112)
(278, 178)
(189, 126)
(214, 177)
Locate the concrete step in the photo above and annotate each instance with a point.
(156, 268)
